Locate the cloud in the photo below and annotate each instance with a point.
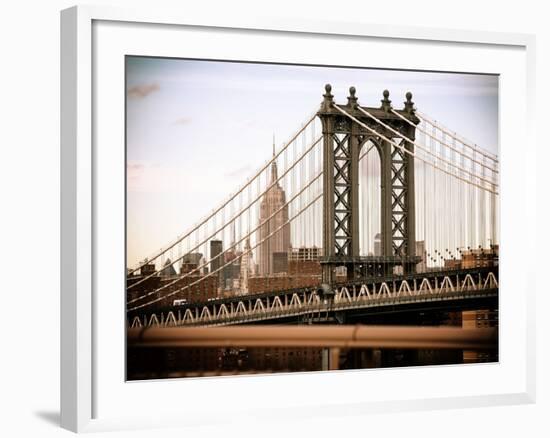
(137, 170)
(182, 121)
(142, 90)
(135, 167)
(153, 177)
(240, 172)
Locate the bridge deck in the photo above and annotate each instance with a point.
(432, 290)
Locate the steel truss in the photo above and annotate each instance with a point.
(308, 303)
(343, 139)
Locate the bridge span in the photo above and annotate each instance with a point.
(450, 289)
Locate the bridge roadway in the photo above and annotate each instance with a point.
(457, 289)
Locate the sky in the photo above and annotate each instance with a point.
(197, 129)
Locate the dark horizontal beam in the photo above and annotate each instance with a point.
(358, 336)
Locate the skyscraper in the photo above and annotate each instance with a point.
(216, 261)
(273, 201)
(247, 267)
(168, 271)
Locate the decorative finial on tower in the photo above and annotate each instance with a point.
(352, 99)
(328, 99)
(273, 144)
(386, 103)
(409, 104)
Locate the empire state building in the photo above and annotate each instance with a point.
(279, 243)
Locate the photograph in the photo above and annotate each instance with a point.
(287, 218)
(266, 219)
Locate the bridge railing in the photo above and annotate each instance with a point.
(308, 304)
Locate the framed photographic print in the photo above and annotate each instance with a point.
(337, 212)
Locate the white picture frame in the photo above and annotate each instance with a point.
(87, 377)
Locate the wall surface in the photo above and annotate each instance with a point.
(29, 219)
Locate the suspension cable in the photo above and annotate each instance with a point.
(228, 263)
(234, 218)
(225, 203)
(444, 160)
(463, 141)
(409, 152)
(199, 267)
(481, 163)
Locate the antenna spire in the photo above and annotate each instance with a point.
(274, 163)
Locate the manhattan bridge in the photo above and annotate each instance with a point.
(365, 213)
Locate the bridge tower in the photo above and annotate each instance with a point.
(343, 139)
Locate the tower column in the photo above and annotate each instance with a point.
(410, 132)
(329, 240)
(410, 202)
(385, 199)
(354, 198)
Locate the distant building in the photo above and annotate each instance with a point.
(304, 253)
(273, 201)
(421, 252)
(192, 258)
(479, 319)
(190, 262)
(231, 268)
(280, 262)
(248, 267)
(192, 288)
(304, 261)
(216, 248)
(236, 285)
(480, 258)
(216, 260)
(279, 282)
(378, 244)
(303, 269)
(472, 319)
(475, 258)
(147, 269)
(168, 271)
